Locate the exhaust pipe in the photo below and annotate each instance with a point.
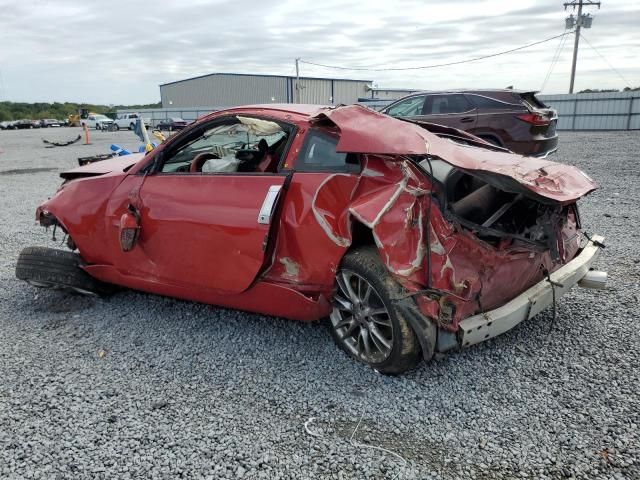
(594, 279)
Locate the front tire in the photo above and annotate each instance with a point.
(365, 321)
(50, 268)
(116, 127)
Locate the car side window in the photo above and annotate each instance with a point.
(442, 104)
(489, 103)
(232, 144)
(408, 107)
(318, 154)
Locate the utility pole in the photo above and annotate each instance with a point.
(579, 21)
(297, 80)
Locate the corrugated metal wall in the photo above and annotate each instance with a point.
(315, 91)
(159, 114)
(390, 94)
(596, 111)
(348, 92)
(227, 90)
(224, 90)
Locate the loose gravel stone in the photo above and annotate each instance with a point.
(186, 390)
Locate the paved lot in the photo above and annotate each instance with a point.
(139, 386)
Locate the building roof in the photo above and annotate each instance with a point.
(304, 109)
(263, 75)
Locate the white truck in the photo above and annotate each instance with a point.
(97, 121)
(128, 120)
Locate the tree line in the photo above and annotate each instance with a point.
(605, 90)
(36, 111)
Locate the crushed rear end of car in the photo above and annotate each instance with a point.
(480, 238)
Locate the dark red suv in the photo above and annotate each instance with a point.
(513, 119)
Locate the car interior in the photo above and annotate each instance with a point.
(231, 144)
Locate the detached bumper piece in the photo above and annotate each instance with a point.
(94, 158)
(490, 324)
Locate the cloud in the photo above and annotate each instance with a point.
(119, 52)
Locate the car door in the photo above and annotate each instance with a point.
(315, 215)
(203, 229)
(451, 109)
(497, 118)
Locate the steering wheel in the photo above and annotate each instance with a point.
(198, 161)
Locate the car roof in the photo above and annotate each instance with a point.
(474, 90)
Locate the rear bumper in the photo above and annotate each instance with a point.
(530, 145)
(546, 154)
(487, 325)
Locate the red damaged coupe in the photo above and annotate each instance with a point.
(412, 238)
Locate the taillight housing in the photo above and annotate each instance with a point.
(534, 119)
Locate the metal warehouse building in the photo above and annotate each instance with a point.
(231, 89)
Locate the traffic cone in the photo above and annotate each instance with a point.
(86, 134)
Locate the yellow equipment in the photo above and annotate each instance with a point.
(74, 119)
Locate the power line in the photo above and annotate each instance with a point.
(554, 61)
(424, 67)
(606, 61)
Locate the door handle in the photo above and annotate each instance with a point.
(466, 119)
(264, 216)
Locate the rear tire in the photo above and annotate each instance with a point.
(49, 268)
(132, 126)
(364, 313)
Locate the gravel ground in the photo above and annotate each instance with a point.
(140, 386)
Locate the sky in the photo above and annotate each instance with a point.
(119, 52)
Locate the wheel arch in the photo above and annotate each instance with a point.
(426, 330)
(48, 219)
(361, 235)
(491, 137)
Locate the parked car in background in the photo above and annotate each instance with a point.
(25, 123)
(6, 125)
(50, 122)
(128, 120)
(513, 119)
(172, 124)
(97, 121)
(410, 237)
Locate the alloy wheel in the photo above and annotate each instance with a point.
(360, 318)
